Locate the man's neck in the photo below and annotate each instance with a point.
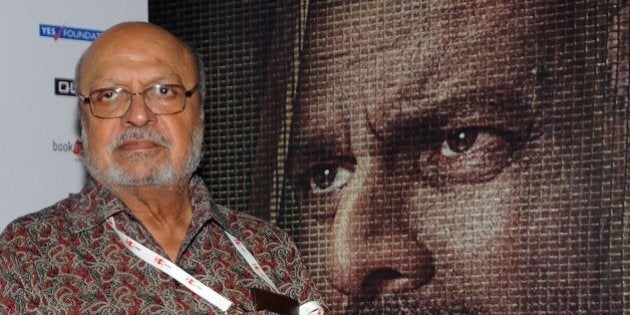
(165, 210)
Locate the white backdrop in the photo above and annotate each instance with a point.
(41, 42)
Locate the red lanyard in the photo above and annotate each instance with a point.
(214, 298)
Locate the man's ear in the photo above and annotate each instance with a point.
(618, 51)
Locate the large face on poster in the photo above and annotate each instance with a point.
(461, 157)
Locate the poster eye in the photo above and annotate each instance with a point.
(327, 177)
(459, 141)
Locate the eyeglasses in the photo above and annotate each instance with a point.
(161, 99)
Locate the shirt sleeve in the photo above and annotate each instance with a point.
(293, 278)
(17, 269)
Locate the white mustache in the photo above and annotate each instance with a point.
(139, 134)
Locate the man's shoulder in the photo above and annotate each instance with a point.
(240, 217)
(49, 220)
(239, 222)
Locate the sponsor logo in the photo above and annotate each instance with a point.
(67, 32)
(65, 87)
(68, 146)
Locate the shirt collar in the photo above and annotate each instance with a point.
(95, 203)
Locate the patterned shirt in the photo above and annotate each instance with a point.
(67, 259)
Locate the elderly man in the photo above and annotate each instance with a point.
(143, 235)
(455, 157)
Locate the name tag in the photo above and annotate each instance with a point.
(269, 301)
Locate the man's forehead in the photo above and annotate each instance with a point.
(152, 61)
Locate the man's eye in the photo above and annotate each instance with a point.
(164, 90)
(328, 177)
(108, 96)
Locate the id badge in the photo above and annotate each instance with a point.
(273, 302)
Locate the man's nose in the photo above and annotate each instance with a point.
(374, 248)
(138, 114)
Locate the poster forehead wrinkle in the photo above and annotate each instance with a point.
(403, 70)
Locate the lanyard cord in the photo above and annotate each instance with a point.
(214, 298)
(165, 265)
(253, 263)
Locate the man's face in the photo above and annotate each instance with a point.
(140, 148)
(433, 158)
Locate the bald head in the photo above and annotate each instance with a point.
(137, 38)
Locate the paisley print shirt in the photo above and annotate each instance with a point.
(66, 259)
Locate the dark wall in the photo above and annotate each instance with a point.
(233, 38)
